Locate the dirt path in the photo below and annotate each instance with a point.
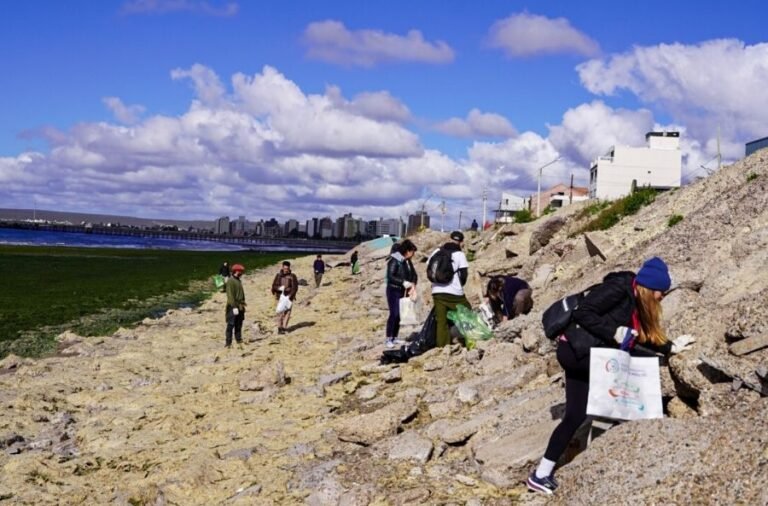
(156, 415)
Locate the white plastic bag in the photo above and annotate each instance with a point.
(408, 312)
(623, 387)
(283, 304)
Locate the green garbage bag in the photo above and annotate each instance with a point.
(218, 280)
(356, 268)
(470, 325)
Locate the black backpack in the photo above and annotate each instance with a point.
(557, 317)
(440, 267)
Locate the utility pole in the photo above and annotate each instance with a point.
(538, 191)
(485, 199)
(570, 195)
(442, 216)
(460, 220)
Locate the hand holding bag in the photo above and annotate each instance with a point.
(284, 303)
(408, 312)
(623, 387)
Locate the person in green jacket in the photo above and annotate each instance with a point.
(235, 312)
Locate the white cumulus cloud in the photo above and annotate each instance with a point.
(333, 42)
(589, 130)
(477, 124)
(526, 34)
(699, 85)
(123, 113)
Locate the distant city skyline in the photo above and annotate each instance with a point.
(291, 109)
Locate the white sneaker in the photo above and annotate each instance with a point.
(389, 343)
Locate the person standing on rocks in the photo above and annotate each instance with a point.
(401, 282)
(224, 273)
(319, 268)
(509, 297)
(624, 311)
(285, 283)
(353, 261)
(447, 295)
(235, 312)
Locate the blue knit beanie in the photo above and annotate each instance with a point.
(654, 274)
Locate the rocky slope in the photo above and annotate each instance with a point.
(162, 414)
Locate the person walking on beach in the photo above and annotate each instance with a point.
(224, 270)
(508, 297)
(319, 268)
(448, 292)
(285, 283)
(401, 282)
(235, 311)
(353, 261)
(624, 311)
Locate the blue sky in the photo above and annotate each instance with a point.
(194, 109)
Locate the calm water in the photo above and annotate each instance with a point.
(43, 238)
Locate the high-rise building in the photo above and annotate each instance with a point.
(326, 226)
(238, 226)
(417, 220)
(291, 227)
(221, 225)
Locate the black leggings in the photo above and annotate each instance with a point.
(394, 294)
(576, 393)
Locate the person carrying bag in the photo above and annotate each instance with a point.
(623, 312)
(401, 282)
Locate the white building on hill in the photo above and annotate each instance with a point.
(658, 165)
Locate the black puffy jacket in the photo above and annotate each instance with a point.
(606, 307)
(399, 270)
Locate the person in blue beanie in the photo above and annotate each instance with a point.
(624, 311)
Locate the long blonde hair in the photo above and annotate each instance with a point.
(649, 314)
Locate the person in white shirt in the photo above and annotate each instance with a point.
(447, 296)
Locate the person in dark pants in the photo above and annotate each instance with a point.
(319, 268)
(285, 283)
(624, 311)
(509, 297)
(401, 281)
(353, 261)
(447, 296)
(235, 312)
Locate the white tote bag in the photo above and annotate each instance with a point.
(283, 304)
(408, 311)
(623, 387)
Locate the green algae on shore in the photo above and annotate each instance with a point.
(95, 291)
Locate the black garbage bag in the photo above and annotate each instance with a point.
(425, 340)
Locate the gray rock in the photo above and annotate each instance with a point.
(327, 380)
(367, 392)
(410, 445)
(370, 427)
(468, 394)
(393, 376)
(544, 233)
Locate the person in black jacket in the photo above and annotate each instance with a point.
(401, 281)
(624, 311)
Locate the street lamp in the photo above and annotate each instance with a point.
(538, 191)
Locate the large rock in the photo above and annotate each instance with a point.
(412, 446)
(544, 233)
(368, 428)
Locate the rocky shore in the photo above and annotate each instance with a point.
(163, 414)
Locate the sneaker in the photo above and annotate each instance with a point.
(281, 331)
(389, 343)
(546, 485)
